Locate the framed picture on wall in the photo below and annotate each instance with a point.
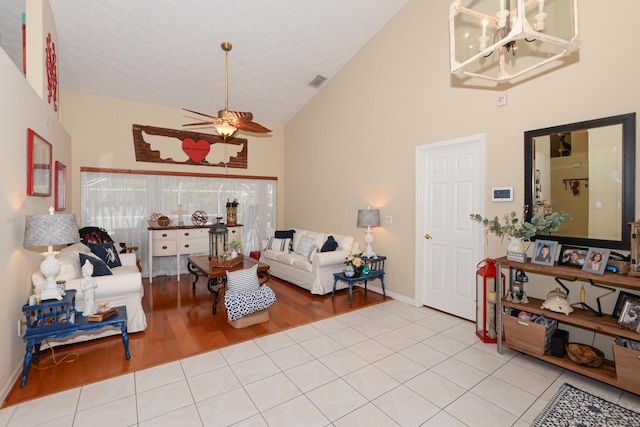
(596, 260)
(544, 252)
(572, 256)
(39, 155)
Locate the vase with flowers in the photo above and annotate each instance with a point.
(354, 264)
(518, 230)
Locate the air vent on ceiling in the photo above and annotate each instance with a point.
(318, 81)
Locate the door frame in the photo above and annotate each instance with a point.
(422, 154)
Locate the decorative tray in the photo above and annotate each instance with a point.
(229, 262)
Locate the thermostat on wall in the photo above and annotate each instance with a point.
(502, 194)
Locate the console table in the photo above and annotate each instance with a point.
(580, 317)
(59, 319)
(177, 241)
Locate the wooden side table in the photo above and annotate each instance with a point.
(377, 272)
(59, 319)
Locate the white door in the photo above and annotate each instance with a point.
(449, 187)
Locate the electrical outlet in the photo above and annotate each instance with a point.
(22, 325)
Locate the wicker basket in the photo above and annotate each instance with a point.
(229, 262)
(575, 353)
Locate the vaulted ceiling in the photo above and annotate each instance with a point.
(167, 52)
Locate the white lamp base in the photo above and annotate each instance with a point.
(368, 239)
(49, 268)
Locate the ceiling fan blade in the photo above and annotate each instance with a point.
(235, 115)
(251, 126)
(202, 114)
(200, 123)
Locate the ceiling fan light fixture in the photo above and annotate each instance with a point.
(225, 130)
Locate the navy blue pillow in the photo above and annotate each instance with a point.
(285, 234)
(99, 266)
(107, 252)
(330, 245)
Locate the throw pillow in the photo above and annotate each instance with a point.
(107, 252)
(330, 245)
(305, 246)
(245, 280)
(285, 234)
(100, 268)
(279, 245)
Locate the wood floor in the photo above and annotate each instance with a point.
(180, 324)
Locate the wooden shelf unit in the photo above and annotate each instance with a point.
(580, 317)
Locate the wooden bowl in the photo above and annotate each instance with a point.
(585, 355)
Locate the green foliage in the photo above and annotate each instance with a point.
(512, 226)
(234, 244)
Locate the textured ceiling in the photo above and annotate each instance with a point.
(167, 52)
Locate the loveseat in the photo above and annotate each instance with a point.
(122, 287)
(307, 258)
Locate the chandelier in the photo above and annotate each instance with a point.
(501, 40)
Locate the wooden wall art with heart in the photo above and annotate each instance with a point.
(161, 145)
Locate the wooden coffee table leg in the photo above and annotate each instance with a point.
(214, 285)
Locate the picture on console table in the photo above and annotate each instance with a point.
(545, 252)
(622, 298)
(596, 260)
(630, 316)
(572, 256)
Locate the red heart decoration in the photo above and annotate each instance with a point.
(196, 151)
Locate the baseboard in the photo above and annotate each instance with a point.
(6, 388)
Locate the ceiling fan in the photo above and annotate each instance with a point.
(227, 123)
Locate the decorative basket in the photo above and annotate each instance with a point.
(159, 224)
(229, 262)
(623, 266)
(585, 355)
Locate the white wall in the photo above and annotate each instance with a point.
(397, 93)
(20, 109)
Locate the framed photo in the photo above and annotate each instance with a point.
(630, 315)
(622, 298)
(545, 252)
(61, 186)
(39, 155)
(596, 260)
(572, 256)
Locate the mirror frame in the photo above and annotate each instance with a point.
(628, 122)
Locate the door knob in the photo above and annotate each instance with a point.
(427, 236)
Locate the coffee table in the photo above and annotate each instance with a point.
(217, 276)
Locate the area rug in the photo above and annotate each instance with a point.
(574, 407)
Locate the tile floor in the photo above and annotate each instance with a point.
(386, 365)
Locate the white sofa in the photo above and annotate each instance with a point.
(123, 287)
(314, 271)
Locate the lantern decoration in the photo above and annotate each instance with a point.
(486, 299)
(232, 212)
(217, 238)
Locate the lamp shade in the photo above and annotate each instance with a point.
(49, 230)
(368, 218)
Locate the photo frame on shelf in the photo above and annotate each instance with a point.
(630, 314)
(544, 252)
(596, 260)
(39, 165)
(572, 256)
(623, 296)
(61, 187)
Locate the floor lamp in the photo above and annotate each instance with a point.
(49, 230)
(368, 218)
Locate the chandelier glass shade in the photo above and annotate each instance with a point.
(501, 40)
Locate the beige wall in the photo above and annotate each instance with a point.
(362, 129)
(102, 137)
(20, 109)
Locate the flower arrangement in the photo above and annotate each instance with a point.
(234, 245)
(512, 226)
(354, 260)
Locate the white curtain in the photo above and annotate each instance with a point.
(121, 203)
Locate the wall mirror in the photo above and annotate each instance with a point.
(61, 187)
(586, 169)
(39, 154)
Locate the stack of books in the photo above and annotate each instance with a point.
(99, 317)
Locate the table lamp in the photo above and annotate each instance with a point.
(49, 230)
(368, 218)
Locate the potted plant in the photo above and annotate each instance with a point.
(234, 246)
(519, 230)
